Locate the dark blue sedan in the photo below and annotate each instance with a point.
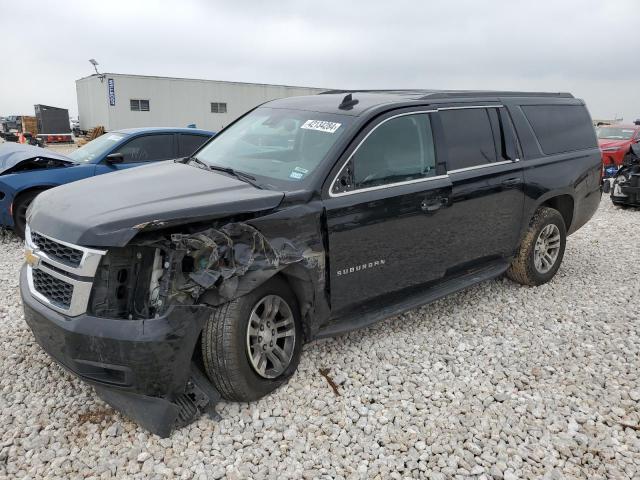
(25, 171)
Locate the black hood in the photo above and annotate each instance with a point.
(103, 211)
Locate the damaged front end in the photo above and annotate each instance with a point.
(624, 185)
(138, 341)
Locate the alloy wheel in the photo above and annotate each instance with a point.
(271, 336)
(547, 248)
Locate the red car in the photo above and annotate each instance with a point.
(615, 142)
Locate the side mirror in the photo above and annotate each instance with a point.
(114, 158)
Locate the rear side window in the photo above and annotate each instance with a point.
(398, 150)
(148, 148)
(469, 136)
(561, 128)
(190, 143)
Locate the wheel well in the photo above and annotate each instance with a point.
(563, 204)
(26, 191)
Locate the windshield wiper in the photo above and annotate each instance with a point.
(245, 177)
(196, 160)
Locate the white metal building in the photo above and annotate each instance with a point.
(116, 101)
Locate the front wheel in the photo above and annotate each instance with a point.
(251, 345)
(542, 248)
(20, 207)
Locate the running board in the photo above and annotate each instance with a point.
(423, 296)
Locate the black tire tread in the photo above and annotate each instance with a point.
(216, 364)
(224, 349)
(521, 269)
(21, 198)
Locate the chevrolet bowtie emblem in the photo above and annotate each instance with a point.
(30, 258)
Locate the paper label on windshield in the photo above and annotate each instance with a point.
(321, 126)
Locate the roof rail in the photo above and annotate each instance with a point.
(435, 94)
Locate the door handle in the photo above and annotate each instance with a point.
(429, 206)
(510, 182)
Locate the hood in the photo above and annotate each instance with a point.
(11, 154)
(103, 211)
(606, 143)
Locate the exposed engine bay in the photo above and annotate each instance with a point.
(141, 280)
(37, 163)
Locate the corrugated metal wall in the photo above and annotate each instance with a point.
(172, 102)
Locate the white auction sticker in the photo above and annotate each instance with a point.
(321, 126)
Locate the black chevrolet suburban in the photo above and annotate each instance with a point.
(172, 285)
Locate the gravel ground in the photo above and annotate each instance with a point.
(498, 381)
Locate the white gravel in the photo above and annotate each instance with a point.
(500, 381)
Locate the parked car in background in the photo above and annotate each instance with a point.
(307, 217)
(615, 143)
(26, 171)
(624, 185)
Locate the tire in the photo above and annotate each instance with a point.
(20, 207)
(225, 344)
(524, 268)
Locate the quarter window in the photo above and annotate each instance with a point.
(398, 150)
(469, 137)
(139, 105)
(561, 128)
(217, 107)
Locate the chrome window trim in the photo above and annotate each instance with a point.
(484, 165)
(378, 187)
(79, 297)
(464, 107)
(418, 180)
(88, 263)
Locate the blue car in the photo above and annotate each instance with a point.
(25, 171)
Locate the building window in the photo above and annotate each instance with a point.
(217, 107)
(139, 105)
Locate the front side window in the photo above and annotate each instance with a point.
(397, 150)
(148, 148)
(96, 148)
(281, 146)
(470, 139)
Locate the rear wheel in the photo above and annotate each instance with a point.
(251, 345)
(541, 250)
(20, 206)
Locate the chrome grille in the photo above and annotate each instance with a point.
(57, 250)
(60, 274)
(55, 290)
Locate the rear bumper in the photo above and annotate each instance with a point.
(141, 367)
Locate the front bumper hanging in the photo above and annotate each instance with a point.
(142, 368)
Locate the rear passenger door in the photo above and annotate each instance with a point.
(487, 201)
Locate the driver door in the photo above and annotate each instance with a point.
(384, 212)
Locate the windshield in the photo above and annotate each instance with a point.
(615, 133)
(96, 148)
(277, 144)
